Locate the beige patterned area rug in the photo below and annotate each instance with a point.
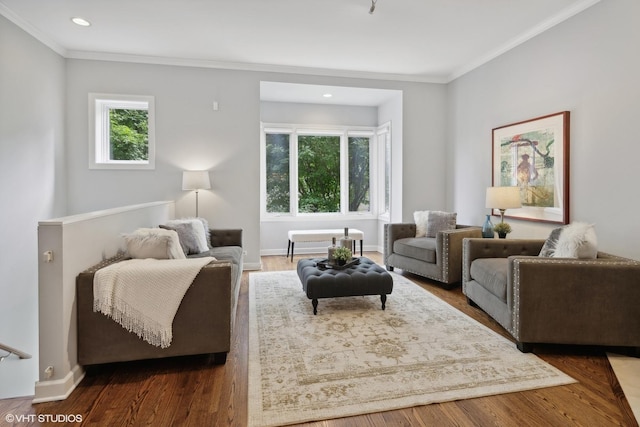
(353, 358)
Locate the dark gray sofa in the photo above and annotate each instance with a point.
(203, 324)
(553, 300)
(438, 258)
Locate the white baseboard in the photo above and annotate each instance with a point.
(251, 266)
(314, 250)
(49, 391)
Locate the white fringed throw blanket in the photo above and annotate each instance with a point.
(143, 295)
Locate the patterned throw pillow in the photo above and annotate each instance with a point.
(187, 236)
(438, 221)
(192, 233)
(549, 247)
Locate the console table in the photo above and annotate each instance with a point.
(322, 236)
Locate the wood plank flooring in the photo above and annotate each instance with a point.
(192, 391)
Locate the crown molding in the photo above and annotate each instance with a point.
(33, 31)
(271, 68)
(246, 66)
(538, 29)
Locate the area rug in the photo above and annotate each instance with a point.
(354, 358)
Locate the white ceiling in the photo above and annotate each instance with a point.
(315, 94)
(413, 40)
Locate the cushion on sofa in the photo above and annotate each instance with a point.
(430, 223)
(576, 240)
(549, 246)
(187, 236)
(232, 254)
(192, 233)
(153, 243)
(421, 218)
(491, 273)
(438, 221)
(421, 248)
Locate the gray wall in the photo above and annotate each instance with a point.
(32, 187)
(190, 135)
(392, 112)
(589, 65)
(320, 114)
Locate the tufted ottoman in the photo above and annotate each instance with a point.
(364, 278)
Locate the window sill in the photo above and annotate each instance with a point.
(123, 166)
(318, 217)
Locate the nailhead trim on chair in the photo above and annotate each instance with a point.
(465, 269)
(515, 320)
(615, 260)
(445, 259)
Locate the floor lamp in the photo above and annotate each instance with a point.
(196, 180)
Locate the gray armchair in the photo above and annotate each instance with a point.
(553, 300)
(438, 258)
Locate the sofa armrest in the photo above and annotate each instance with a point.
(201, 325)
(393, 232)
(226, 237)
(449, 251)
(552, 299)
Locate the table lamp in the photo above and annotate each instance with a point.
(503, 198)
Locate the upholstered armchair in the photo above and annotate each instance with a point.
(438, 258)
(553, 300)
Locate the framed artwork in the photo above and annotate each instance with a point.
(534, 156)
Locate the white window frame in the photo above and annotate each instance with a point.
(99, 139)
(293, 130)
(383, 138)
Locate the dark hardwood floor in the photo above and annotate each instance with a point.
(194, 391)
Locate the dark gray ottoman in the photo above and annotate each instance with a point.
(364, 278)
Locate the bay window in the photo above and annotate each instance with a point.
(317, 171)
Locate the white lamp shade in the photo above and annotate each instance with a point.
(195, 180)
(503, 198)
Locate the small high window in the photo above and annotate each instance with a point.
(121, 132)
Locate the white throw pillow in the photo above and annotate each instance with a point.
(154, 243)
(198, 231)
(421, 218)
(577, 240)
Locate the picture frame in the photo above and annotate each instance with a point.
(534, 156)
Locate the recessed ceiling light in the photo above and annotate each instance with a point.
(327, 95)
(80, 21)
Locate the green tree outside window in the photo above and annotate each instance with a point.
(318, 174)
(129, 134)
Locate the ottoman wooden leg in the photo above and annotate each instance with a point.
(314, 302)
(383, 298)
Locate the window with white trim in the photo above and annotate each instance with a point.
(384, 164)
(121, 131)
(318, 171)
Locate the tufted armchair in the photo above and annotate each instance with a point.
(438, 258)
(553, 300)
